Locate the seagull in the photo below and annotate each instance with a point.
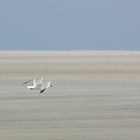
(40, 83)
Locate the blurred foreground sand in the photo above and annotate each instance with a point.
(96, 96)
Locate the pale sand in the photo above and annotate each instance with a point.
(96, 96)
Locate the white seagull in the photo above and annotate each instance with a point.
(40, 83)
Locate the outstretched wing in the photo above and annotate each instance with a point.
(39, 81)
(42, 90)
(44, 85)
(27, 82)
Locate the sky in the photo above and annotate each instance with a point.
(69, 25)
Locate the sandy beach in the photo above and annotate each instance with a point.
(95, 95)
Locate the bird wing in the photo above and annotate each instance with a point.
(39, 81)
(44, 84)
(34, 82)
(42, 90)
(43, 87)
(27, 82)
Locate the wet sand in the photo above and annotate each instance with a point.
(95, 96)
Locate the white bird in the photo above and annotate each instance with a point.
(41, 83)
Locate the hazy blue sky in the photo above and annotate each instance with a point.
(70, 24)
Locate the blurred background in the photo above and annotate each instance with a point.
(89, 49)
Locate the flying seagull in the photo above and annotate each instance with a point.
(39, 83)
